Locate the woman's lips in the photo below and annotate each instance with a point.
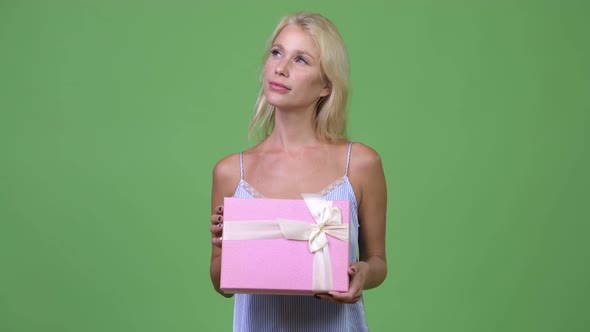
(276, 86)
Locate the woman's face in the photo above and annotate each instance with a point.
(292, 74)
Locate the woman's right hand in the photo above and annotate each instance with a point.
(217, 226)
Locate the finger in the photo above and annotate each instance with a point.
(216, 241)
(342, 297)
(216, 230)
(218, 209)
(337, 299)
(345, 299)
(216, 218)
(352, 295)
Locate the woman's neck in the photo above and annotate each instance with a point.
(293, 130)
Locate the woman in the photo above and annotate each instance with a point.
(301, 109)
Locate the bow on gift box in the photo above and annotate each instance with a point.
(328, 222)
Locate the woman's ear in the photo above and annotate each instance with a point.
(326, 90)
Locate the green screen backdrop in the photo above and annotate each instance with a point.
(113, 113)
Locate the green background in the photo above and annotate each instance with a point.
(113, 113)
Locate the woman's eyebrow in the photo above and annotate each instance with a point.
(296, 51)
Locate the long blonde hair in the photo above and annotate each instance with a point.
(330, 122)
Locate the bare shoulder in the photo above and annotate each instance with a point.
(228, 166)
(366, 173)
(226, 174)
(364, 158)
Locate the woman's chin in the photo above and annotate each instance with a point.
(276, 102)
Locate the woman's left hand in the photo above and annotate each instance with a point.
(358, 273)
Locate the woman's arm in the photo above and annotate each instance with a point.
(368, 180)
(372, 216)
(226, 175)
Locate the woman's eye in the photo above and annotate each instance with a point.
(300, 60)
(275, 52)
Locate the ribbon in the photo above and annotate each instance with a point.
(328, 222)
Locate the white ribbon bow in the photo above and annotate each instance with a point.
(328, 222)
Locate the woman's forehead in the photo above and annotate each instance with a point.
(294, 37)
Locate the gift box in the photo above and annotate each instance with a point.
(285, 246)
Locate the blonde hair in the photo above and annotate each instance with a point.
(330, 122)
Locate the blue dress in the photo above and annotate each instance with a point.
(255, 312)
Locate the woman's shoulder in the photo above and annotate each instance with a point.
(365, 153)
(227, 167)
(364, 158)
(366, 172)
(231, 164)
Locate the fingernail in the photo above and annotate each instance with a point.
(218, 225)
(218, 218)
(219, 209)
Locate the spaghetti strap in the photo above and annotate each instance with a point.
(348, 159)
(242, 166)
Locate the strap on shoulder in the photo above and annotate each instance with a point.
(348, 159)
(242, 165)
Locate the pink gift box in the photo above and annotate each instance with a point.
(278, 265)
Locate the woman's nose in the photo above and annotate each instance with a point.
(281, 68)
